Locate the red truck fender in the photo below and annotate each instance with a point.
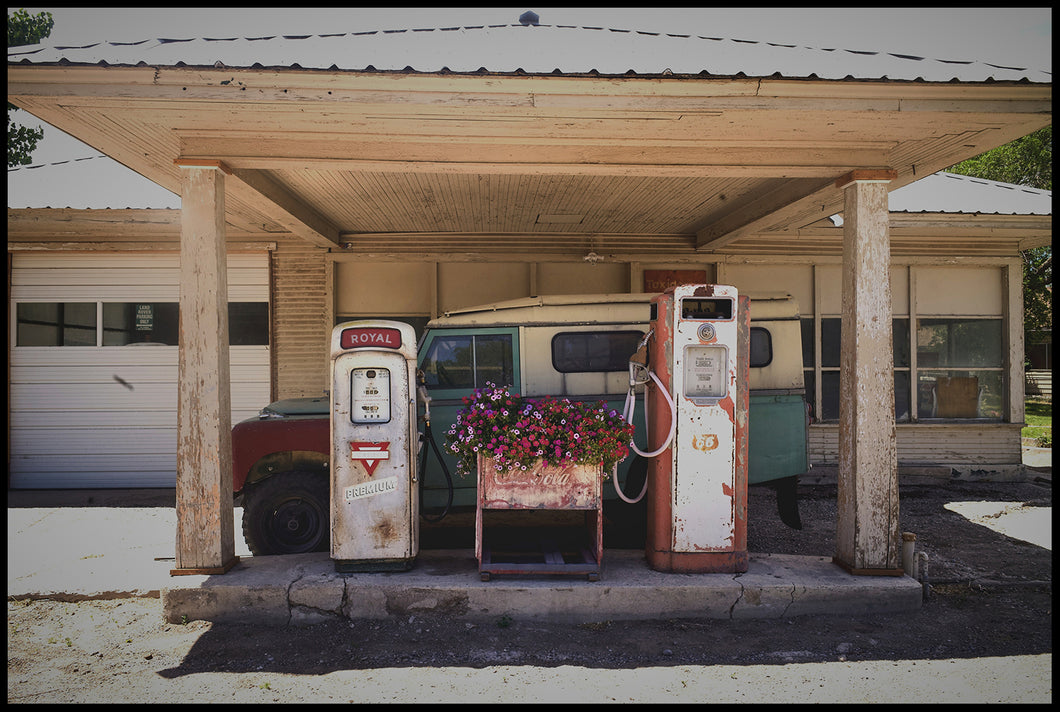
(254, 439)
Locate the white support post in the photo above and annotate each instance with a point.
(868, 540)
(205, 523)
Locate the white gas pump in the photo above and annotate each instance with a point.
(374, 497)
(697, 406)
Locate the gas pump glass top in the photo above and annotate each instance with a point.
(713, 309)
(370, 395)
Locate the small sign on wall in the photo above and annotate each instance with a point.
(145, 317)
(659, 280)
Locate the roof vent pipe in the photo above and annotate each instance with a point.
(529, 18)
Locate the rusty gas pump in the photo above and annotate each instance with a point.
(374, 497)
(698, 398)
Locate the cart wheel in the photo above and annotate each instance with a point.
(593, 577)
(484, 575)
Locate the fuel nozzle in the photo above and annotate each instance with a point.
(421, 393)
(638, 362)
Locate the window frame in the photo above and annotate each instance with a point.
(636, 333)
(101, 328)
(815, 373)
(451, 393)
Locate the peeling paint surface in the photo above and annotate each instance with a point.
(374, 500)
(702, 475)
(540, 487)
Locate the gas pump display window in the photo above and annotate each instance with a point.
(370, 395)
(706, 371)
(698, 308)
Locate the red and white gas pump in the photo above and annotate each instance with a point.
(697, 510)
(374, 497)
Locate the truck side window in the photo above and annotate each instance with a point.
(469, 361)
(593, 351)
(761, 347)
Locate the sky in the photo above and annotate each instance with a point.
(1020, 37)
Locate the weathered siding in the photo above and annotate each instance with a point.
(933, 444)
(301, 324)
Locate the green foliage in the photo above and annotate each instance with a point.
(24, 29)
(21, 140)
(1026, 161)
(1038, 293)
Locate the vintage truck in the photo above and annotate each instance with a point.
(566, 346)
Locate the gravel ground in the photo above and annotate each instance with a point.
(984, 635)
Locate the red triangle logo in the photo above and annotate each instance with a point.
(370, 454)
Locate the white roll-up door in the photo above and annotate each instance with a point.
(85, 414)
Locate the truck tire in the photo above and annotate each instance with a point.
(288, 513)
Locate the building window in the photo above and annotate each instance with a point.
(828, 371)
(125, 323)
(958, 372)
(248, 323)
(56, 324)
(959, 368)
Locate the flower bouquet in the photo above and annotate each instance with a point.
(518, 433)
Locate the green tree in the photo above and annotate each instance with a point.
(24, 29)
(1026, 161)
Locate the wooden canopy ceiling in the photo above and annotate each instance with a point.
(532, 164)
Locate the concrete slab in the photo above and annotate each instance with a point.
(97, 552)
(304, 589)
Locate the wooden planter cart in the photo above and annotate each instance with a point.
(540, 550)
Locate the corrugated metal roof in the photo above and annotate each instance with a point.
(92, 182)
(952, 193)
(530, 49)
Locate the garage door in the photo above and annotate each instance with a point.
(93, 367)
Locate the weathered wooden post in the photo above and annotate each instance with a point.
(205, 524)
(868, 540)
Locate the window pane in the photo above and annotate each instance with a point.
(830, 342)
(959, 394)
(959, 343)
(810, 380)
(808, 342)
(761, 347)
(140, 323)
(448, 363)
(830, 395)
(56, 324)
(493, 360)
(901, 397)
(901, 342)
(248, 323)
(575, 352)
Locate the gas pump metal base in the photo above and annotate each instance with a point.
(345, 566)
(721, 562)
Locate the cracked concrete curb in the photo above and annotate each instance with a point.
(304, 589)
